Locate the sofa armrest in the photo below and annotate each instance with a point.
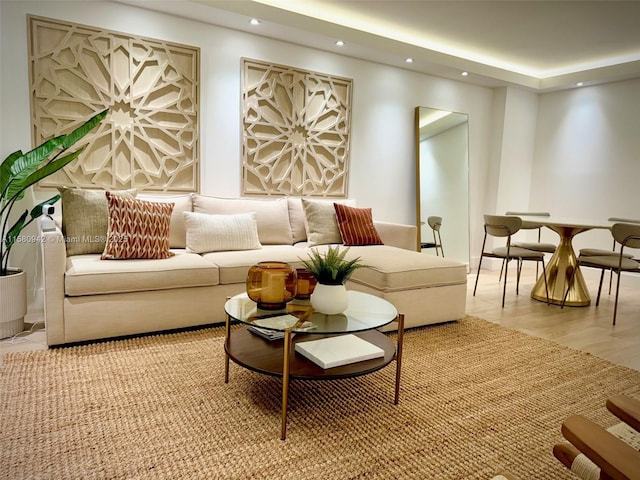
(398, 235)
(54, 262)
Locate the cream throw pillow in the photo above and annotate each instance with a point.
(216, 233)
(85, 217)
(321, 222)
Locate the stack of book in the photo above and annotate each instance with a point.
(266, 333)
(281, 322)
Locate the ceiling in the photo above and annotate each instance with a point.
(540, 45)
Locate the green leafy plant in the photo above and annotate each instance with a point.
(19, 171)
(331, 268)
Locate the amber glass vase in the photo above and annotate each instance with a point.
(306, 283)
(271, 284)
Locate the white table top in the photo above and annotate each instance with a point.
(570, 222)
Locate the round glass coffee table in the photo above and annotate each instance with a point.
(364, 315)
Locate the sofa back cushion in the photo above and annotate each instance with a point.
(181, 203)
(272, 216)
(296, 217)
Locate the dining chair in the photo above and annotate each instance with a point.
(597, 252)
(434, 223)
(503, 226)
(538, 246)
(628, 236)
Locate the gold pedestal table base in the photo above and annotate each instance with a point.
(559, 271)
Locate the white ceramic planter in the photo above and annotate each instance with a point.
(13, 303)
(329, 299)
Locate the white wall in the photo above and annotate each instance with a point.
(586, 160)
(382, 168)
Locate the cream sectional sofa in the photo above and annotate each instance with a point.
(87, 298)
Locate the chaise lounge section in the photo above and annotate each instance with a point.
(87, 298)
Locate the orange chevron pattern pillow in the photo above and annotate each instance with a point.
(356, 225)
(137, 229)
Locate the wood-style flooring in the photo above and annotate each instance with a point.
(588, 329)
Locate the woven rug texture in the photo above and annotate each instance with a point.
(476, 399)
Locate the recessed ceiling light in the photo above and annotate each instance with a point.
(464, 74)
(579, 84)
(254, 21)
(340, 43)
(408, 60)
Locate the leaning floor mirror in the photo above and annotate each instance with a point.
(442, 180)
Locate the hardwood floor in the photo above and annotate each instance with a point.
(584, 328)
(588, 329)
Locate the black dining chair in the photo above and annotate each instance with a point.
(504, 226)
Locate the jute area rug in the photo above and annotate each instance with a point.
(476, 398)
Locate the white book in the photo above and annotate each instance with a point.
(340, 350)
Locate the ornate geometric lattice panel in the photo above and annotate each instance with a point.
(150, 139)
(295, 131)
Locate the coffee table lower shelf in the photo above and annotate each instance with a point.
(277, 358)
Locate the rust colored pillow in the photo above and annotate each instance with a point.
(137, 229)
(356, 226)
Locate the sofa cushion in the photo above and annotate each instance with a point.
(235, 265)
(181, 204)
(321, 223)
(215, 233)
(356, 226)
(272, 216)
(296, 218)
(85, 217)
(137, 229)
(88, 275)
(297, 215)
(394, 269)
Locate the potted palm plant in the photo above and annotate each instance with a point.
(332, 271)
(18, 172)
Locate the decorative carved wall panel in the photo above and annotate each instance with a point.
(150, 139)
(295, 131)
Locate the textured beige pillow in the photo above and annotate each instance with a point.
(84, 219)
(218, 233)
(321, 222)
(137, 229)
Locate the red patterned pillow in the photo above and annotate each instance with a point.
(137, 229)
(356, 225)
